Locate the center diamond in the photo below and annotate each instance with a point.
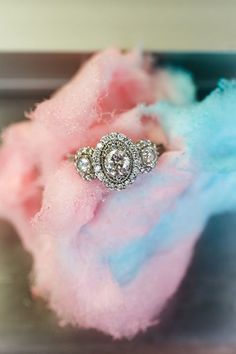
(117, 163)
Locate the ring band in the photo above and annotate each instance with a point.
(116, 161)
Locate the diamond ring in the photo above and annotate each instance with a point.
(116, 161)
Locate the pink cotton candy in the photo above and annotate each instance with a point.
(68, 224)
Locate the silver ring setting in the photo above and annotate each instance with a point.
(117, 161)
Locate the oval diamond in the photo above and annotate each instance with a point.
(149, 155)
(117, 160)
(84, 164)
(117, 163)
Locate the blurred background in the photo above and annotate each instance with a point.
(40, 48)
(74, 25)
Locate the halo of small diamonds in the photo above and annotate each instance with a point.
(116, 160)
(149, 153)
(83, 161)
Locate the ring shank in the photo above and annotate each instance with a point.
(160, 148)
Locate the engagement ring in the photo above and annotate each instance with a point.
(116, 161)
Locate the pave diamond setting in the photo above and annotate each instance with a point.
(149, 154)
(116, 161)
(83, 161)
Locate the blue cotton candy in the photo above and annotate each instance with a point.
(207, 128)
(182, 81)
(208, 134)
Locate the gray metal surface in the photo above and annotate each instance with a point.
(202, 316)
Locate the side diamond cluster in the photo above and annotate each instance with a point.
(149, 153)
(83, 161)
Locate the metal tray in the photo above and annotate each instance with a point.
(201, 318)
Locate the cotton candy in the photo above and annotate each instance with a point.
(104, 259)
